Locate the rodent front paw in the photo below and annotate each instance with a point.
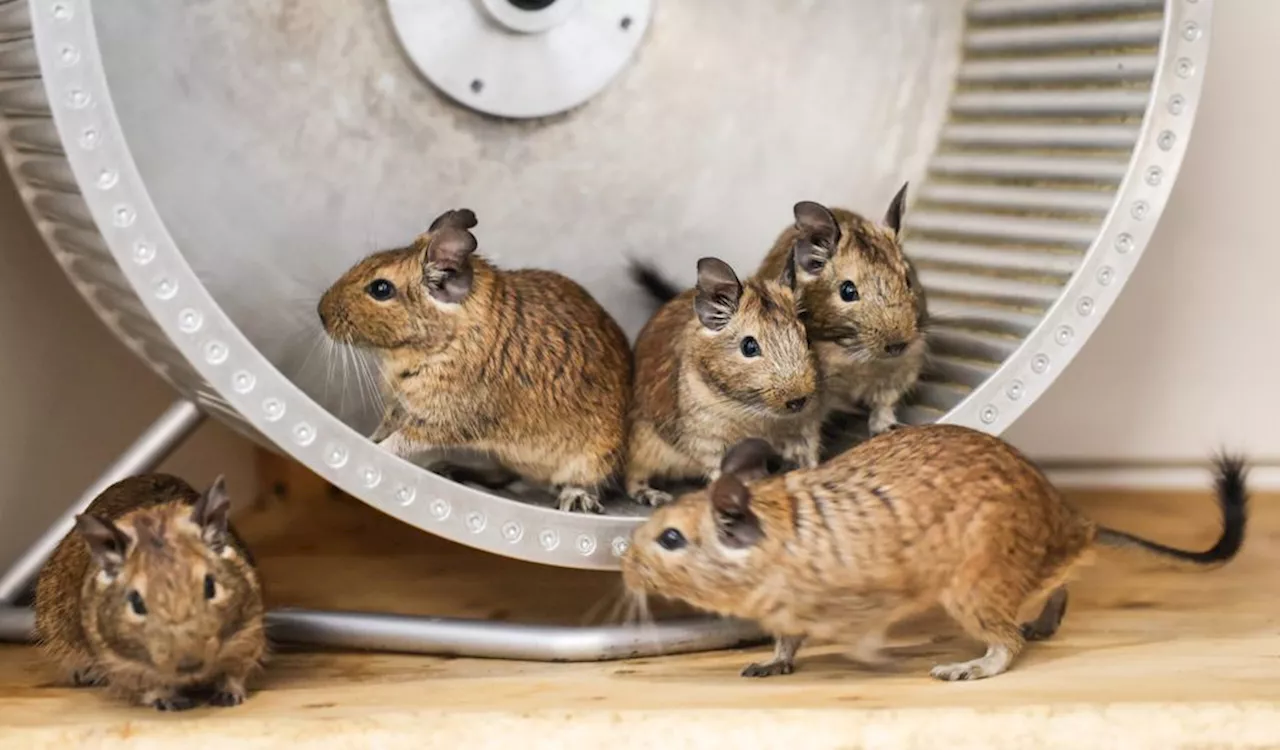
(226, 698)
(769, 669)
(650, 496)
(86, 678)
(175, 702)
(577, 499)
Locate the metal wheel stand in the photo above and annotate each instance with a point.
(368, 630)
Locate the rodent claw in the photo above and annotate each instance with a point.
(82, 678)
(574, 499)
(226, 698)
(173, 703)
(653, 497)
(769, 669)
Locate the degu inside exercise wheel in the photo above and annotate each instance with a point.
(203, 170)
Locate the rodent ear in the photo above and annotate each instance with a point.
(210, 513)
(750, 460)
(736, 525)
(107, 543)
(718, 293)
(819, 235)
(897, 209)
(458, 218)
(788, 276)
(446, 264)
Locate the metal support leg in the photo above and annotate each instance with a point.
(146, 453)
(446, 636)
(378, 631)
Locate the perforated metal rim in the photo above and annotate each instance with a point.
(1076, 301)
(83, 189)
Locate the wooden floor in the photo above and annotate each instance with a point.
(1149, 656)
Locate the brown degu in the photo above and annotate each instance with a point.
(864, 308)
(719, 363)
(918, 516)
(522, 366)
(154, 595)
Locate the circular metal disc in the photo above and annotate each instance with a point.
(496, 58)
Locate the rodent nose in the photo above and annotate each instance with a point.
(324, 320)
(896, 348)
(796, 404)
(190, 665)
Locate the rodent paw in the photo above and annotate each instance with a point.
(882, 428)
(1033, 631)
(650, 496)
(86, 678)
(176, 702)
(226, 698)
(577, 499)
(769, 669)
(969, 670)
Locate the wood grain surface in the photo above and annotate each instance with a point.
(1150, 655)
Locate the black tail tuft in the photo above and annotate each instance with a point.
(1233, 498)
(657, 285)
(1231, 473)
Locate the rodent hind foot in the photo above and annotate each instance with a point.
(990, 664)
(769, 669)
(1050, 618)
(579, 499)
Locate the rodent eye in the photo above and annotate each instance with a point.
(135, 603)
(750, 347)
(848, 292)
(671, 540)
(381, 290)
(210, 586)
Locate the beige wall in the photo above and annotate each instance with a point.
(1189, 357)
(71, 396)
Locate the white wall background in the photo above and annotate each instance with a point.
(1187, 360)
(1189, 357)
(72, 397)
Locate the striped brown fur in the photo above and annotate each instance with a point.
(915, 517)
(696, 393)
(524, 365)
(84, 620)
(852, 339)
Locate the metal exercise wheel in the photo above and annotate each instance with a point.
(202, 170)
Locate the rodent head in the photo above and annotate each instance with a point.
(857, 286)
(166, 587)
(704, 547)
(408, 296)
(751, 344)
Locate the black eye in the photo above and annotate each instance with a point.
(136, 604)
(671, 539)
(210, 588)
(908, 283)
(381, 290)
(750, 347)
(848, 292)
